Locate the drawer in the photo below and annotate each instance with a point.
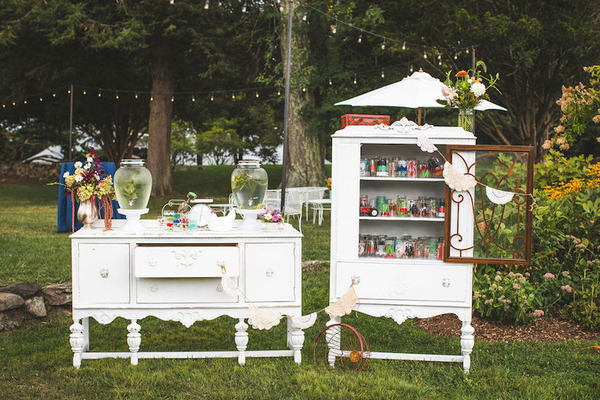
(190, 290)
(103, 274)
(185, 261)
(406, 281)
(270, 272)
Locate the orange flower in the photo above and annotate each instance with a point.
(461, 74)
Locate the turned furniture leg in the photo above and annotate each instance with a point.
(333, 340)
(241, 340)
(467, 341)
(77, 340)
(86, 333)
(134, 340)
(295, 340)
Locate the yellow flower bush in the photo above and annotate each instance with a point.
(575, 186)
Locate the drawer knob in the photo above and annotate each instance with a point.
(355, 279)
(152, 263)
(270, 272)
(154, 289)
(446, 282)
(104, 273)
(219, 288)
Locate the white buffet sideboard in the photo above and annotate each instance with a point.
(177, 276)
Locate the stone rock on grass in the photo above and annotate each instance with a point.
(59, 295)
(10, 319)
(25, 289)
(8, 301)
(36, 307)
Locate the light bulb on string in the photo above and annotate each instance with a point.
(69, 91)
(84, 92)
(382, 73)
(411, 68)
(193, 98)
(383, 45)
(334, 29)
(360, 38)
(233, 96)
(425, 54)
(440, 59)
(330, 83)
(14, 104)
(172, 2)
(467, 50)
(257, 95)
(24, 101)
(244, 7)
(280, 6)
(304, 88)
(41, 99)
(54, 94)
(355, 81)
(99, 92)
(136, 95)
(403, 45)
(305, 17)
(456, 55)
(117, 95)
(279, 93)
(151, 98)
(212, 97)
(172, 99)
(206, 5)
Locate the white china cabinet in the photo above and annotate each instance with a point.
(177, 276)
(393, 282)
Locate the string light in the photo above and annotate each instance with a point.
(360, 38)
(355, 81)
(467, 50)
(279, 93)
(53, 94)
(41, 99)
(212, 97)
(84, 91)
(440, 59)
(233, 95)
(193, 98)
(304, 88)
(206, 5)
(456, 55)
(69, 91)
(403, 45)
(151, 98)
(383, 45)
(330, 83)
(382, 73)
(244, 7)
(334, 29)
(411, 68)
(117, 95)
(14, 104)
(24, 101)
(280, 6)
(172, 99)
(99, 92)
(257, 95)
(425, 54)
(305, 17)
(136, 95)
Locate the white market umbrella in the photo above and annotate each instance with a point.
(418, 90)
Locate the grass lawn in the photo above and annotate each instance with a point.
(35, 360)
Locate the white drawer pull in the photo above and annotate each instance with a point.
(152, 263)
(154, 289)
(219, 288)
(270, 272)
(104, 273)
(446, 282)
(355, 279)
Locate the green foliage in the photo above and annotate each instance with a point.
(556, 167)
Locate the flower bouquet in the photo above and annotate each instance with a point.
(89, 183)
(271, 217)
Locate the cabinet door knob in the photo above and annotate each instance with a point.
(219, 288)
(355, 279)
(270, 272)
(446, 282)
(152, 263)
(154, 289)
(104, 273)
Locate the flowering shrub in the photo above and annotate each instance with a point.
(271, 215)
(467, 91)
(516, 297)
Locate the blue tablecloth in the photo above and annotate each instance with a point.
(64, 199)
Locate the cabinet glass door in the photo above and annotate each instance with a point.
(490, 223)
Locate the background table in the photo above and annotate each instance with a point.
(65, 213)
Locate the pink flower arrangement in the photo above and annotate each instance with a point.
(548, 275)
(271, 215)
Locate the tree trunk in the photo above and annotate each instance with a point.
(306, 150)
(161, 111)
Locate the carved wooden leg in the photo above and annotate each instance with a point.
(77, 340)
(241, 340)
(134, 340)
(333, 340)
(467, 341)
(295, 340)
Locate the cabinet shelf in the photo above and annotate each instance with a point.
(425, 219)
(400, 179)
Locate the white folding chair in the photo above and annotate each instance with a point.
(312, 193)
(293, 206)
